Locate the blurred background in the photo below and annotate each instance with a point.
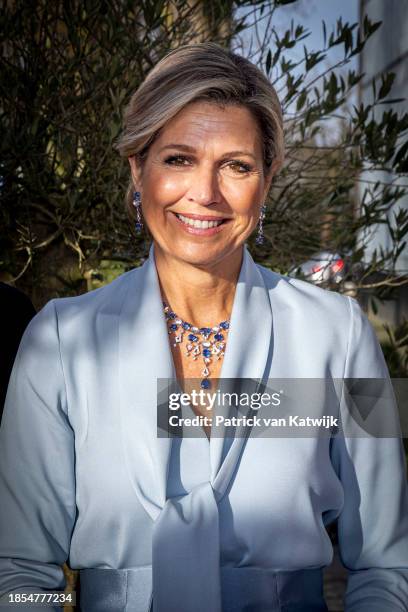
(337, 214)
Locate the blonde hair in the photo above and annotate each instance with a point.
(200, 72)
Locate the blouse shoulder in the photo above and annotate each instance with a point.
(107, 298)
(307, 297)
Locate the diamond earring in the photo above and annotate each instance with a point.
(260, 236)
(137, 203)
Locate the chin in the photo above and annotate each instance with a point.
(202, 254)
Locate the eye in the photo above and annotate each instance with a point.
(239, 166)
(176, 160)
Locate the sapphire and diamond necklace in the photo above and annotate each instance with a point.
(204, 342)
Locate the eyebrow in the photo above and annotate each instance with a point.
(189, 149)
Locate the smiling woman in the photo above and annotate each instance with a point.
(211, 522)
(202, 151)
(213, 176)
(212, 149)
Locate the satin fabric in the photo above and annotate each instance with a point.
(85, 478)
(244, 589)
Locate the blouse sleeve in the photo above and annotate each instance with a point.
(373, 524)
(37, 478)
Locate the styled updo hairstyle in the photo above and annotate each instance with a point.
(200, 72)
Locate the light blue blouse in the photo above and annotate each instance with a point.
(84, 478)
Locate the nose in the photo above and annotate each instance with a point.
(204, 188)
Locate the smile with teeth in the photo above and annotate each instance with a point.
(198, 223)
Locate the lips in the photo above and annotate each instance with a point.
(204, 225)
(200, 221)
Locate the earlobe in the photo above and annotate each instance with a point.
(269, 177)
(269, 180)
(276, 166)
(134, 169)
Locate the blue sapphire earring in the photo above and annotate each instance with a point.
(137, 203)
(260, 236)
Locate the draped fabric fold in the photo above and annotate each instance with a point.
(186, 549)
(185, 552)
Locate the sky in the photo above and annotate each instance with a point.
(310, 13)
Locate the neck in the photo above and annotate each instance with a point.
(202, 296)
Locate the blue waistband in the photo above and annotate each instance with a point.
(243, 589)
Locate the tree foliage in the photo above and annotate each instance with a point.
(329, 195)
(68, 69)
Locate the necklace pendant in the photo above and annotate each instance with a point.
(199, 340)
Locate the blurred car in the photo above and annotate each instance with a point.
(323, 267)
(331, 270)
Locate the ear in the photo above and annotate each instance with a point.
(268, 178)
(136, 171)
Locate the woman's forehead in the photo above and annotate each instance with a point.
(199, 123)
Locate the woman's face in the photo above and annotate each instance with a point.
(204, 167)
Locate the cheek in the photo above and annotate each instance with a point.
(162, 189)
(244, 197)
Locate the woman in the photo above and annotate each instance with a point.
(204, 523)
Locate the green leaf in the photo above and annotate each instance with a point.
(400, 249)
(268, 62)
(311, 59)
(299, 31)
(401, 158)
(324, 33)
(370, 27)
(392, 101)
(301, 100)
(386, 84)
(374, 88)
